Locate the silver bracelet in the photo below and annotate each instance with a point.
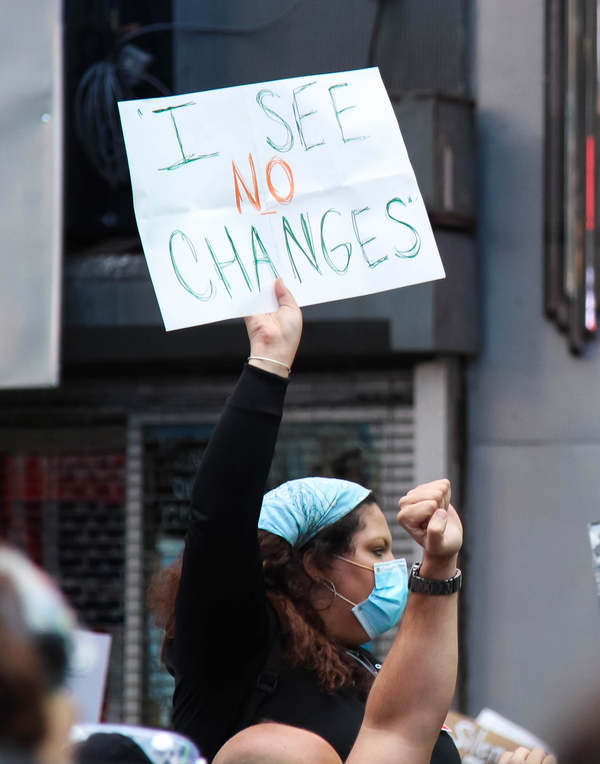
(270, 360)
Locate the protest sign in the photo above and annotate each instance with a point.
(476, 744)
(87, 677)
(483, 740)
(305, 178)
(594, 536)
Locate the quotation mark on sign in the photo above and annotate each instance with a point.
(408, 200)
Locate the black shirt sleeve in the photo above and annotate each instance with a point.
(221, 603)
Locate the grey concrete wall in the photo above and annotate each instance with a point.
(534, 413)
(31, 189)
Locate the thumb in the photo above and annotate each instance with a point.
(283, 294)
(437, 525)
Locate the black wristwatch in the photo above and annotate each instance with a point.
(433, 585)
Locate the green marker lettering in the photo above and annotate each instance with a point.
(256, 240)
(362, 244)
(271, 114)
(203, 296)
(341, 111)
(298, 116)
(186, 158)
(326, 253)
(309, 252)
(220, 265)
(415, 248)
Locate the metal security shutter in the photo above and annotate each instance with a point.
(360, 427)
(63, 502)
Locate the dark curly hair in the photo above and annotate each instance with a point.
(290, 590)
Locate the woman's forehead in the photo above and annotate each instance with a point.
(373, 523)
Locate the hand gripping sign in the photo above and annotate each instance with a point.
(305, 178)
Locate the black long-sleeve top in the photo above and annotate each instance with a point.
(223, 632)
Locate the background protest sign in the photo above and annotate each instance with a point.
(305, 178)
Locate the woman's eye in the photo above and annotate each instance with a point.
(379, 552)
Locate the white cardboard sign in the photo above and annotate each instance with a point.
(305, 178)
(87, 678)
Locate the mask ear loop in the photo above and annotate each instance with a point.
(331, 586)
(352, 562)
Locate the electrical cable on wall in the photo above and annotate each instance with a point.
(116, 78)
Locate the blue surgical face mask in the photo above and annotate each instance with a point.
(385, 606)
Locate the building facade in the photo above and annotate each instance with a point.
(533, 424)
(467, 377)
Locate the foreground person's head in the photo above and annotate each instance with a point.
(107, 743)
(36, 628)
(272, 743)
(109, 748)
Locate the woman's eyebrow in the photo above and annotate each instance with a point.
(382, 540)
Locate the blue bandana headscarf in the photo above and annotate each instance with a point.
(299, 509)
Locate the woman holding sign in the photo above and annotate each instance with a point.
(270, 627)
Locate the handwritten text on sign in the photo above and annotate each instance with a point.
(306, 178)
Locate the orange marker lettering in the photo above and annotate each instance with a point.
(254, 199)
(288, 171)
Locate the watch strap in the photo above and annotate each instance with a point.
(435, 586)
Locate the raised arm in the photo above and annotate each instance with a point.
(220, 603)
(411, 696)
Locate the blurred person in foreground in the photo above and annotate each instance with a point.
(36, 632)
(36, 650)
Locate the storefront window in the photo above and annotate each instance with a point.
(374, 448)
(572, 284)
